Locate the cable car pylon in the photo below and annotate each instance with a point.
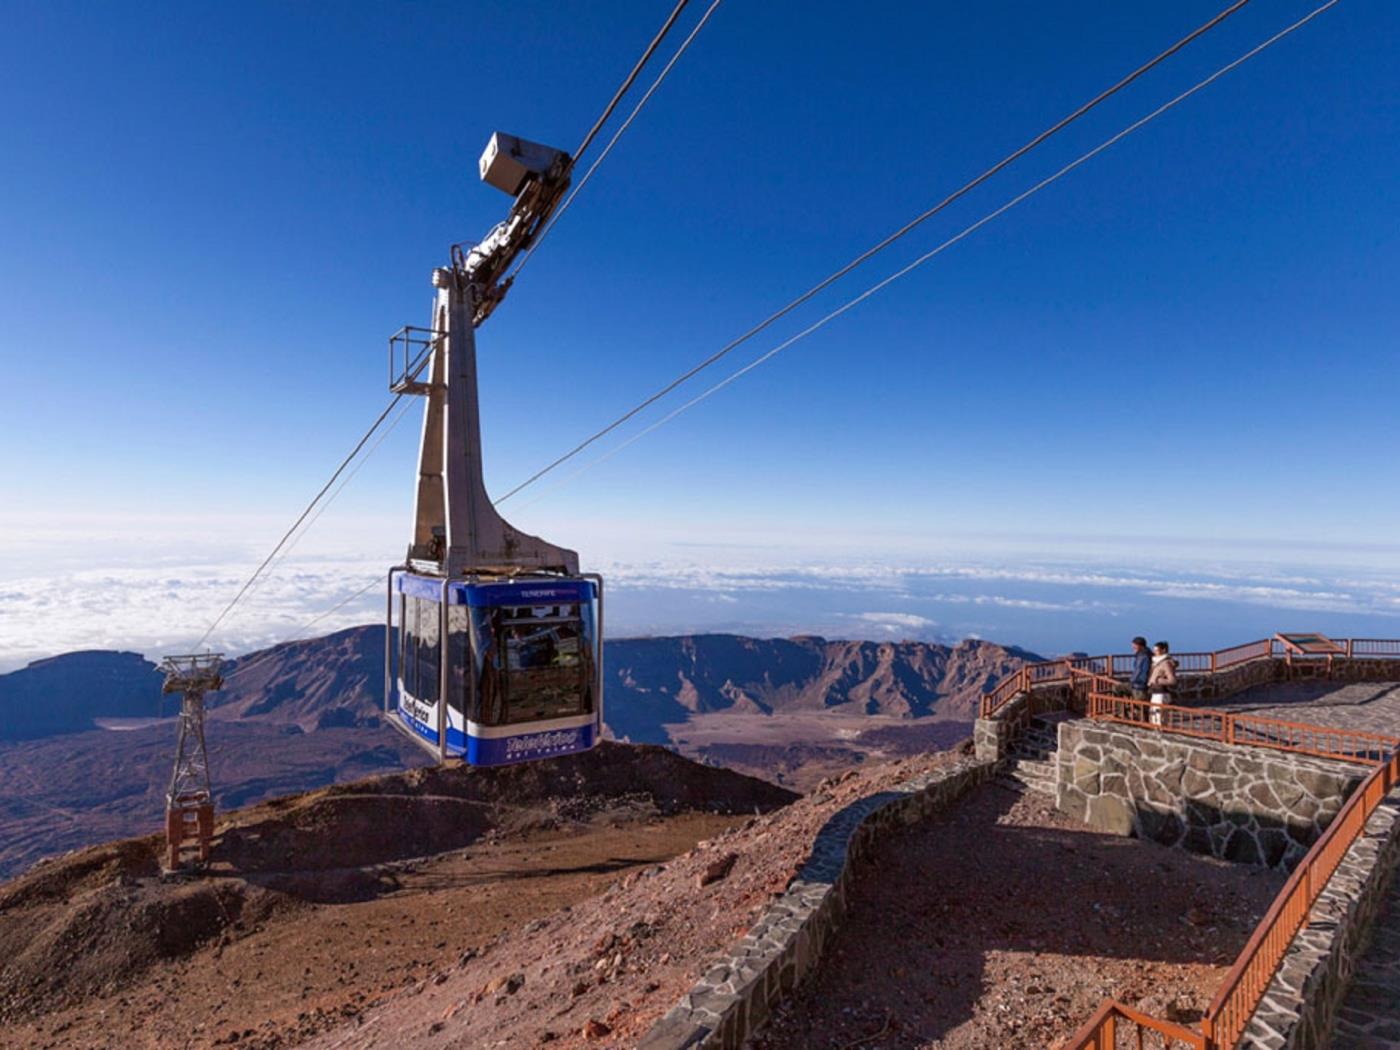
(189, 801)
(499, 635)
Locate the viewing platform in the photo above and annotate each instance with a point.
(1281, 753)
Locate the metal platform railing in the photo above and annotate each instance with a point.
(1196, 664)
(1303, 738)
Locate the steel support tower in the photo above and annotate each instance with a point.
(189, 803)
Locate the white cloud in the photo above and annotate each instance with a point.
(162, 602)
(894, 621)
(168, 608)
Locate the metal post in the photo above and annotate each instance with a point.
(456, 528)
(444, 660)
(389, 641)
(598, 634)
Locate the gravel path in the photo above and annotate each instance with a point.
(1370, 1014)
(1001, 923)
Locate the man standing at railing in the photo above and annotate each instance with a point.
(1142, 668)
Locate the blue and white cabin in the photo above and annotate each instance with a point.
(517, 662)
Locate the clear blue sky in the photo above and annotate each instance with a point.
(213, 216)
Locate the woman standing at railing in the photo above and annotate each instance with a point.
(1161, 683)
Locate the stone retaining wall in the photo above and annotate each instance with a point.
(1300, 1006)
(1245, 804)
(736, 996)
(1231, 680)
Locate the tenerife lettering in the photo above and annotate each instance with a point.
(542, 741)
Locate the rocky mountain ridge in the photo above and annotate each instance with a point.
(307, 714)
(337, 682)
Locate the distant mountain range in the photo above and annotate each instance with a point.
(338, 682)
(304, 714)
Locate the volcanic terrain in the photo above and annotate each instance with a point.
(306, 714)
(317, 905)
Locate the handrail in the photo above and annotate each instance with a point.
(1100, 1032)
(1373, 647)
(1303, 738)
(1244, 986)
(1248, 979)
(1028, 676)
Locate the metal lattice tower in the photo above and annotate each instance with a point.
(189, 802)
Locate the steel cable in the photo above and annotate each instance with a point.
(878, 247)
(850, 304)
(631, 77)
(613, 141)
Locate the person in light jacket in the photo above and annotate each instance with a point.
(1161, 683)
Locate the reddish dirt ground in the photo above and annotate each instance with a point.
(1001, 923)
(601, 973)
(315, 906)
(304, 965)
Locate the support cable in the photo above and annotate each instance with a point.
(325, 504)
(850, 304)
(613, 141)
(301, 631)
(315, 500)
(879, 247)
(631, 77)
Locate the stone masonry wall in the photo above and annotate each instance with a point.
(736, 996)
(1301, 1003)
(1249, 805)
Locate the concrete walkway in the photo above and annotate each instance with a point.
(1370, 1015)
(1372, 707)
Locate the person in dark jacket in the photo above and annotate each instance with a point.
(1142, 668)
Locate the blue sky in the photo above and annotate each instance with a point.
(213, 216)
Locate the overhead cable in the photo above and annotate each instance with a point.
(286, 536)
(613, 141)
(631, 77)
(300, 631)
(878, 247)
(848, 305)
(325, 504)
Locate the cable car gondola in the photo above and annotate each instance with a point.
(517, 661)
(499, 636)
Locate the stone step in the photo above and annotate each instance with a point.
(1036, 776)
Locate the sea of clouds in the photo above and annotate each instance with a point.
(1087, 600)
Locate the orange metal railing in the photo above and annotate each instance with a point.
(1029, 676)
(1229, 1012)
(1095, 681)
(1242, 654)
(1244, 985)
(1100, 1032)
(1302, 738)
(1383, 647)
